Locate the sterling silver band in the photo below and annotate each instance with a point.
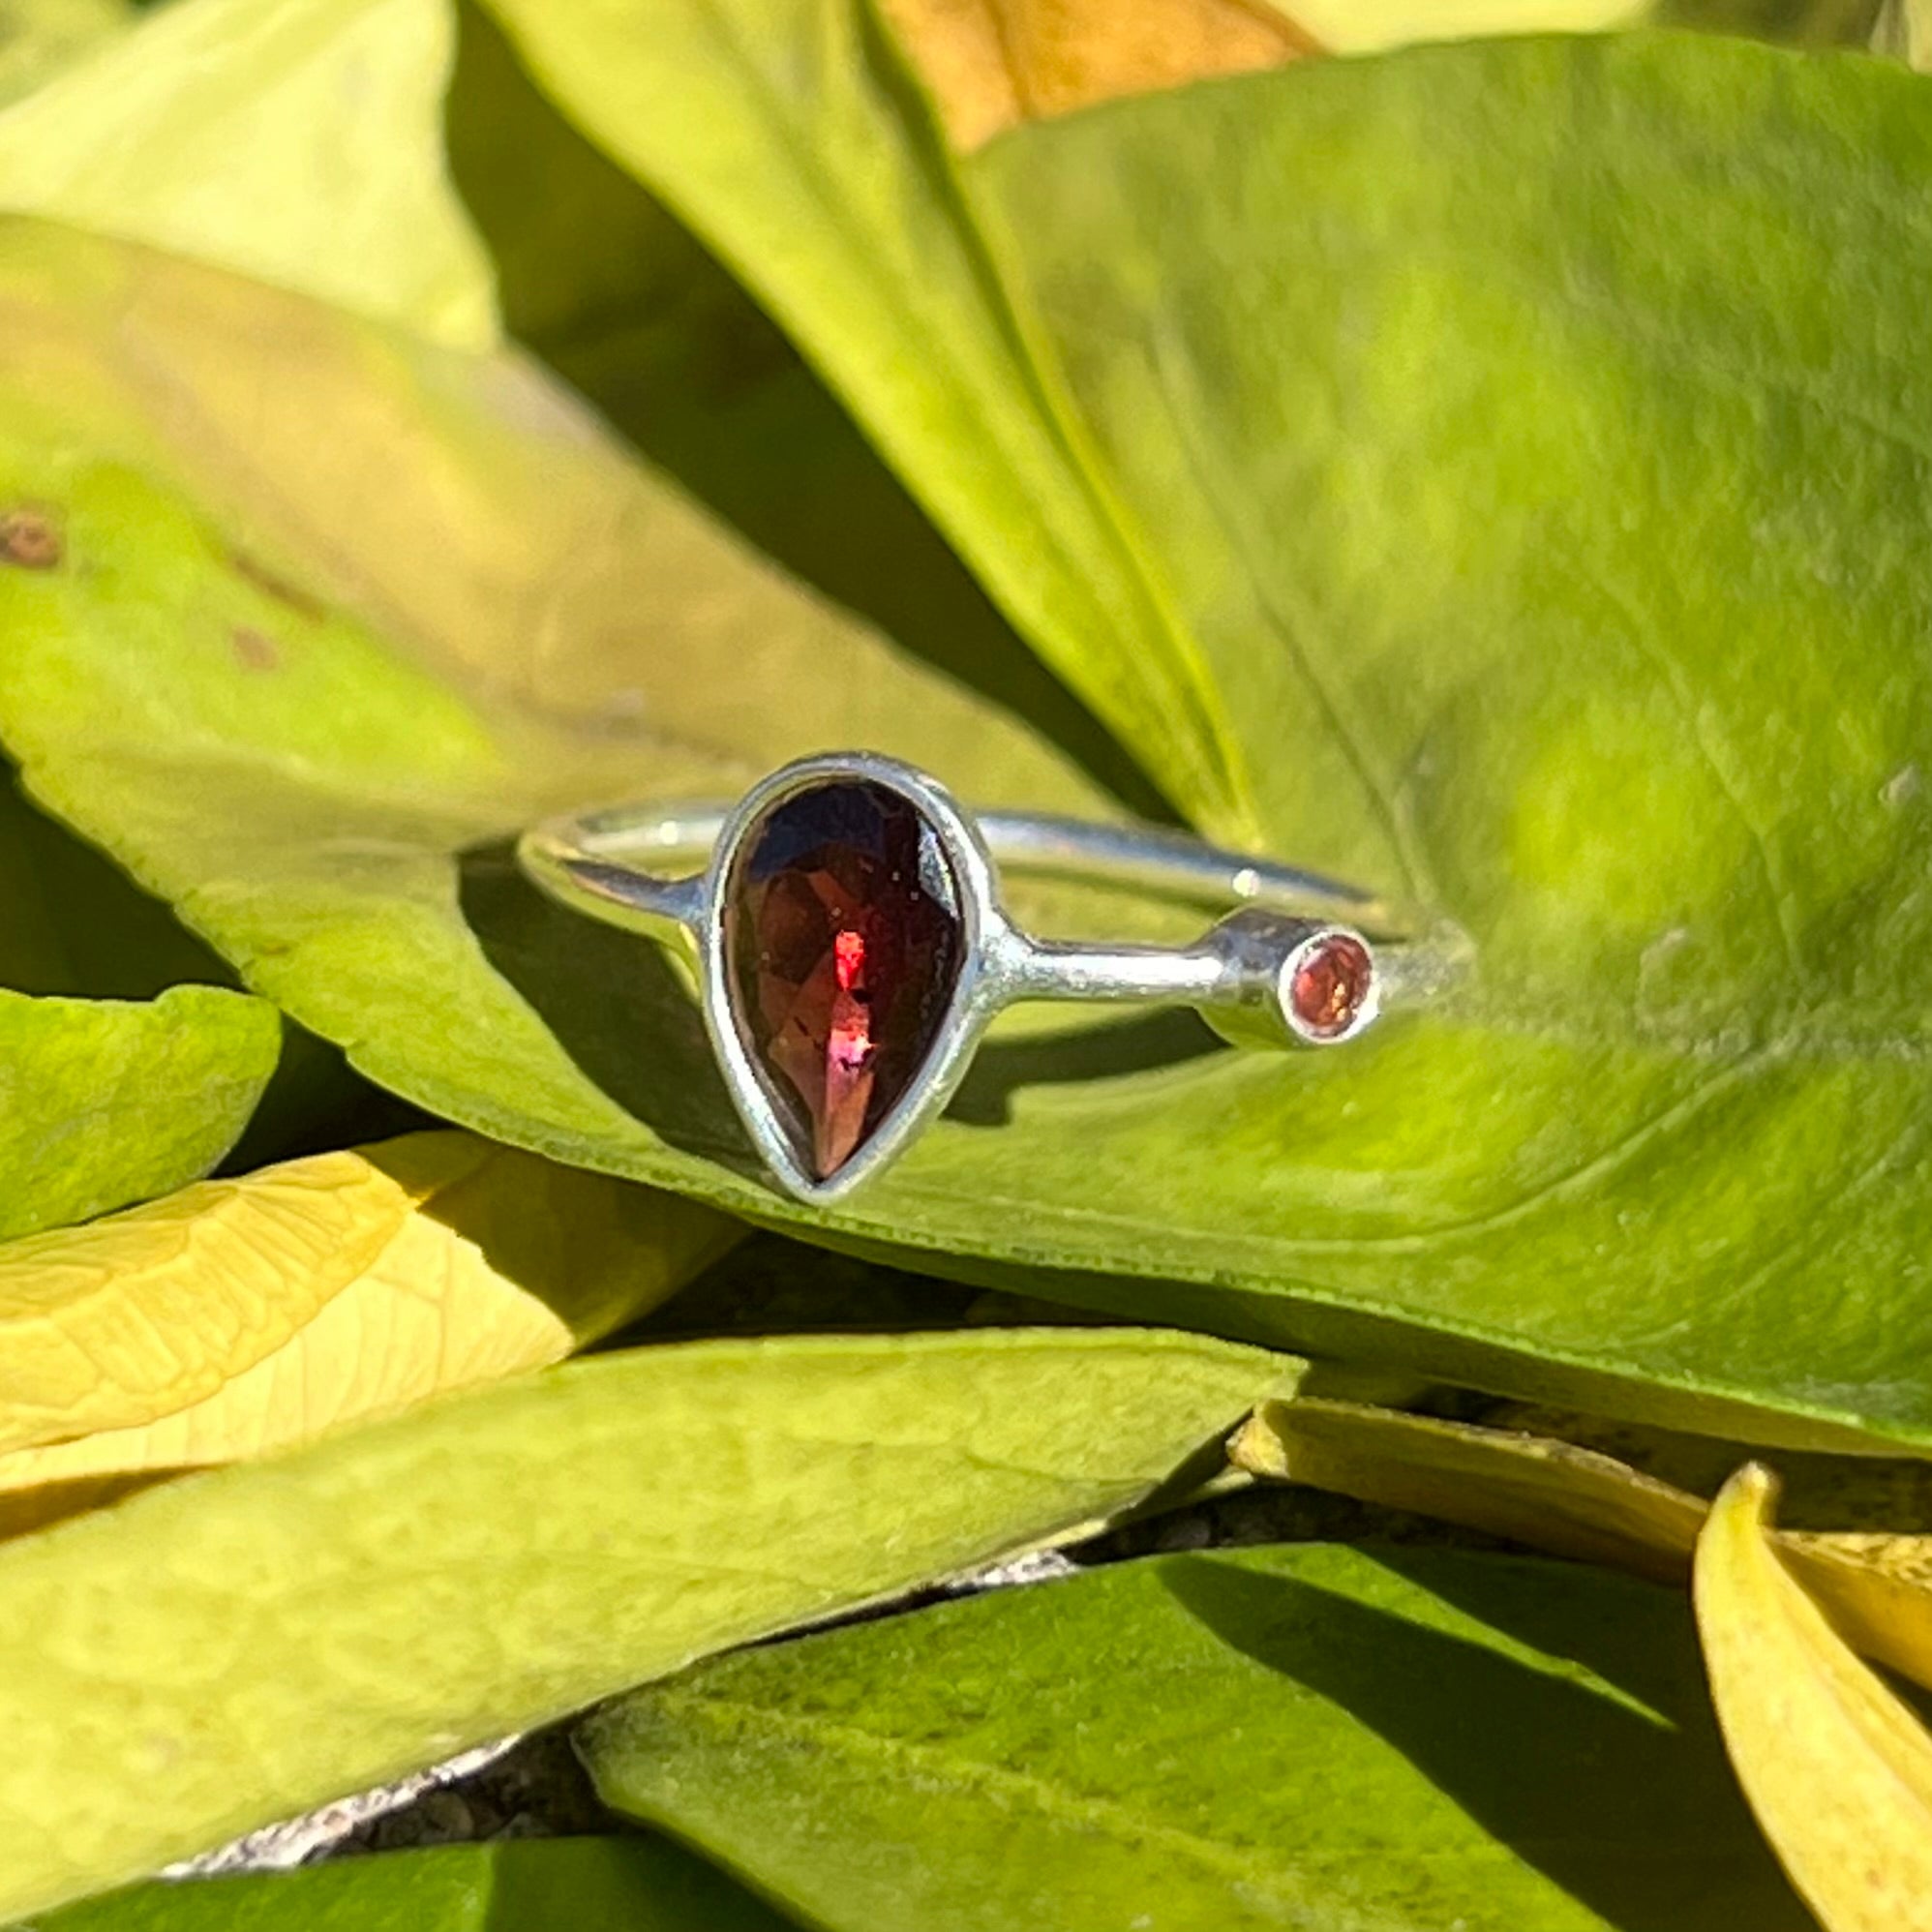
(1247, 973)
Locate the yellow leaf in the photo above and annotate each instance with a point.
(148, 1311)
(1903, 30)
(1372, 26)
(300, 143)
(40, 36)
(1878, 1589)
(1836, 1768)
(1584, 1504)
(1533, 1490)
(995, 63)
(435, 1262)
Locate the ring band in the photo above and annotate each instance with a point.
(852, 943)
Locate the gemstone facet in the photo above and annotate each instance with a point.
(842, 947)
(1329, 986)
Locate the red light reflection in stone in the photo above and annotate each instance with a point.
(842, 948)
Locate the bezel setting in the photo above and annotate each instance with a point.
(984, 982)
(1363, 1009)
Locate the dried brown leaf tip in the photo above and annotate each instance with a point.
(30, 538)
(994, 64)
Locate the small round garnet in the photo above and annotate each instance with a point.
(1330, 985)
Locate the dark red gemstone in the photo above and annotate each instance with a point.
(1331, 984)
(842, 949)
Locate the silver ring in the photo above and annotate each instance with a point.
(853, 945)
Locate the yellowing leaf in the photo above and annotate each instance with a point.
(150, 1310)
(1877, 1588)
(1836, 1768)
(1903, 30)
(1581, 1504)
(488, 1262)
(300, 143)
(1371, 26)
(995, 63)
(1534, 1489)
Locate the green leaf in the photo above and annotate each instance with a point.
(1658, 1156)
(76, 924)
(102, 1101)
(593, 1884)
(1304, 1735)
(116, 1096)
(1559, 538)
(300, 142)
(792, 137)
(395, 1593)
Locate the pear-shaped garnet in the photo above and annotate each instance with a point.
(843, 940)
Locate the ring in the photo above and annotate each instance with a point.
(852, 944)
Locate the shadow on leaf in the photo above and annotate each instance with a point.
(1631, 1811)
(616, 1004)
(604, 283)
(1143, 1043)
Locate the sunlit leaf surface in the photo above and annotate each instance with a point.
(243, 1317)
(106, 1102)
(300, 142)
(238, 1647)
(1837, 1770)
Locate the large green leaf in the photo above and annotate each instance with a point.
(239, 1646)
(1549, 488)
(300, 142)
(1304, 1735)
(592, 1884)
(793, 138)
(1549, 463)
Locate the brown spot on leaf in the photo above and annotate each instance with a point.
(30, 538)
(270, 585)
(254, 649)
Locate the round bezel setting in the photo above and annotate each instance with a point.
(1329, 988)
